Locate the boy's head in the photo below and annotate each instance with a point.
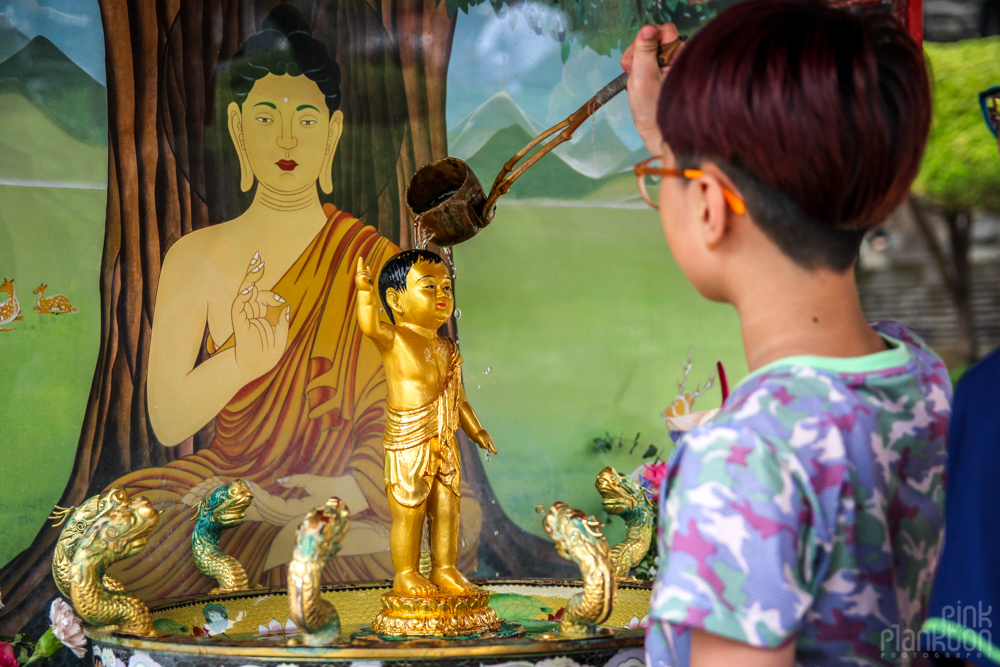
(415, 286)
(817, 116)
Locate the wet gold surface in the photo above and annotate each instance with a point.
(359, 605)
(251, 636)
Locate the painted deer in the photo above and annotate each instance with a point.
(55, 305)
(10, 310)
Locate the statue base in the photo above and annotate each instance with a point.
(441, 615)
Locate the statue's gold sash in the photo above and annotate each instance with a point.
(420, 443)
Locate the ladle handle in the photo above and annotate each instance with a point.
(505, 179)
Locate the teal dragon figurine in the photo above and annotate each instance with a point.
(223, 508)
(317, 541)
(622, 496)
(578, 538)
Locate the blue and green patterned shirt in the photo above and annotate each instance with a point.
(810, 509)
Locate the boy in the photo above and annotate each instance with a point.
(426, 404)
(803, 523)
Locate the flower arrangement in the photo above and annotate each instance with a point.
(65, 631)
(650, 476)
(679, 418)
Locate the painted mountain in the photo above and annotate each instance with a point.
(65, 92)
(593, 165)
(12, 40)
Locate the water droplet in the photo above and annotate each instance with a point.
(491, 347)
(458, 313)
(489, 369)
(496, 532)
(493, 502)
(381, 309)
(479, 386)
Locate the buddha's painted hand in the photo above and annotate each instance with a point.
(259, 344)
(202, 489)
(483, 439)
(273, 509)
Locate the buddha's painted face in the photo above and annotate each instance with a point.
(285, 135)
(428, 300)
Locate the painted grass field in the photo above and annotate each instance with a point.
(50, 235)
(576, 321)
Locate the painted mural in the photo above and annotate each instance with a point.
(193, 244)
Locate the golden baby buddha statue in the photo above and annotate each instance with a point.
(426, 406)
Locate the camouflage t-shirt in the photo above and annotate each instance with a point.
(809, 509)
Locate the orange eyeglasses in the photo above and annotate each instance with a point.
(648, 173)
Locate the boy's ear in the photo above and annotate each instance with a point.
(714, 211)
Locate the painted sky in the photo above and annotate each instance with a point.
(490, 54)
(72, 25)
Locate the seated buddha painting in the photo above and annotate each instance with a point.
(255, 330)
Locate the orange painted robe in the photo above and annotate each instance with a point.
(320, 411)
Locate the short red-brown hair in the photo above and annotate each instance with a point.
(805, 106)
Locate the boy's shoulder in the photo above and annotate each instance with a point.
(782, 404)
(797, 402)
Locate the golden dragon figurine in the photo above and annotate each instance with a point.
(578, 538)
(622, 496)
(317, 541)
(121, 532)
(77, 520)
(223, 508)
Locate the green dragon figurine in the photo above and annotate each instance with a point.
(121, 532)
(578, 538)
(622, 496)
(223, 508)
(78, 520)
(317, 541)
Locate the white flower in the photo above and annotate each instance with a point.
(142, 660)
(274, 627)
(107, 656)
(66, 627)
(637, 623)
(561, 661)
(684, 423)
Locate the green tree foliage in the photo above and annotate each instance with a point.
(602, 25)
(961, 168)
